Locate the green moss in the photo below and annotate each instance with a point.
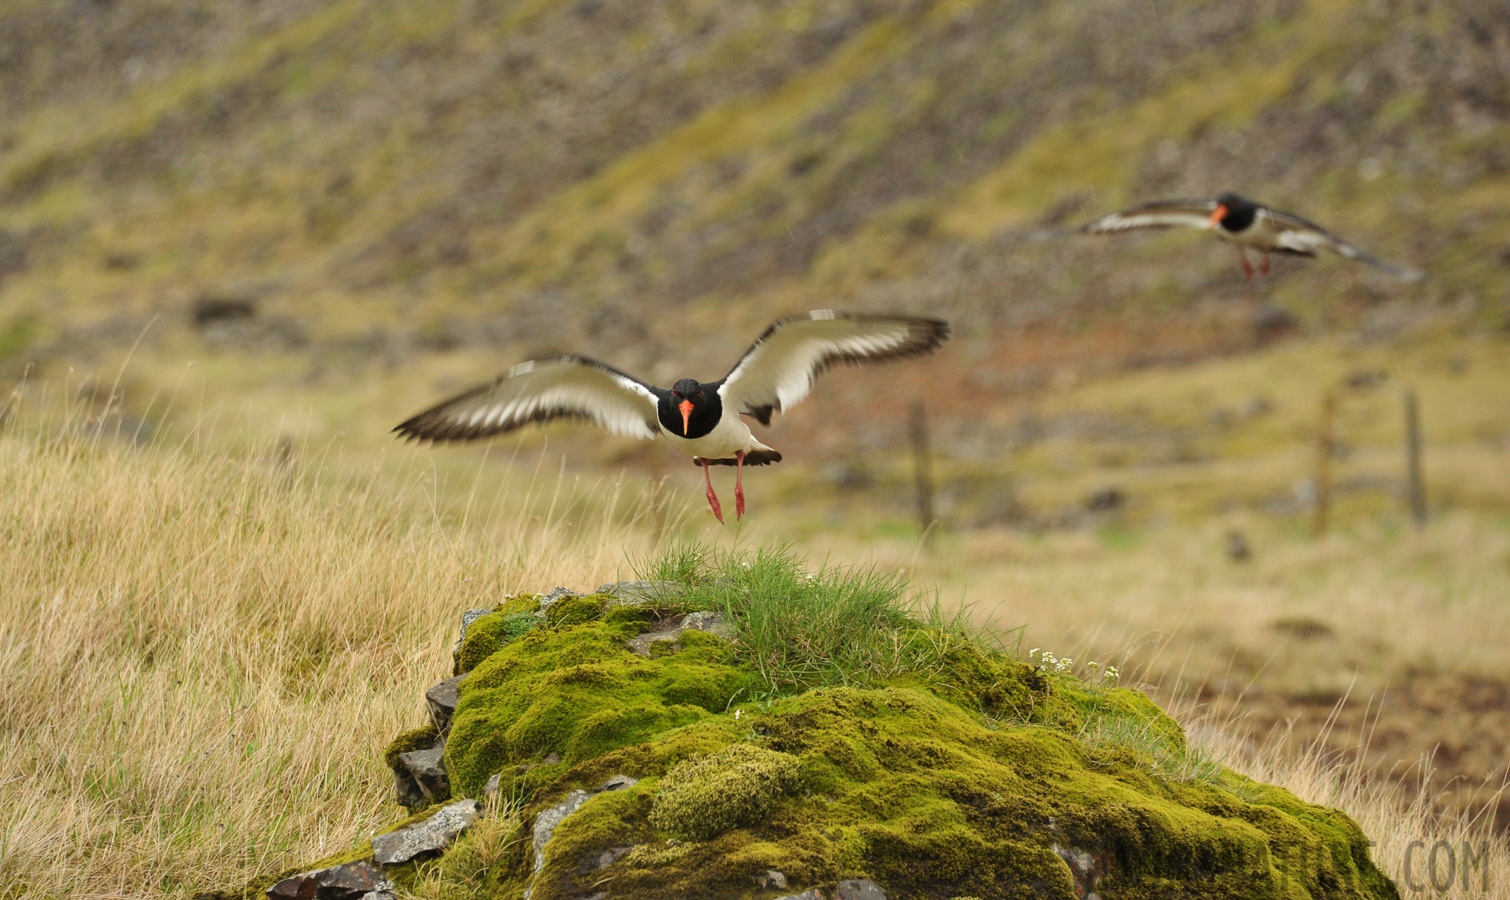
(420, 738)
(488, 633)
(579, 692)
(703, 798)
(907, 787)
(575, 610)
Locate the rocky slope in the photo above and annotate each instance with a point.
(378, 173)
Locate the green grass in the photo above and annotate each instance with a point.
(803, 628)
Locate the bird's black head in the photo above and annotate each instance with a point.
(687, 397)
(1234, 212)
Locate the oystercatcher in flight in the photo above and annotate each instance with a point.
(1244, 224)
(700, 418)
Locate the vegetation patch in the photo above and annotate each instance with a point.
(920, 757)
(703, 798)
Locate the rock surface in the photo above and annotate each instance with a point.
(351, 881)
(635, 593)
(467, 618)
(428, 837)
(547, 821)
(440, 699)
(426, 770)
(672, 629)
(557, 593)
(858, 889)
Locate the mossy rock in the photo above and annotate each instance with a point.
(968, 779)
(508, 621)
(972, 776)
(420, 738)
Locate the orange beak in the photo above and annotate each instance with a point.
(1219, 215)
(686, 407)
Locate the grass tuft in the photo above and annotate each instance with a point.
(802, 628)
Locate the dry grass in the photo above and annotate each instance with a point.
(204, 654)
(1453, 857)
(205, 651)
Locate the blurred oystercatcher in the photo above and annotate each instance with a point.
(700, 418)
(1244, 224)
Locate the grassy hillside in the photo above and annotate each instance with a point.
(381, 174)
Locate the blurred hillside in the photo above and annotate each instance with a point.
(393, 177)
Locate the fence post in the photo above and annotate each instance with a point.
(1415, 482)
(1324, 465)
(922, 469)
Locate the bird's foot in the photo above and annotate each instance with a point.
(718, 511)
(739, 503)
(1263, 268)
(1247, 269)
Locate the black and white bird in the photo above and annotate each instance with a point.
(700, 418)
(1246, 225)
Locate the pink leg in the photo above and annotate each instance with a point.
(1242, 257)
(712, 497)
(1264, 268)
(739, 485)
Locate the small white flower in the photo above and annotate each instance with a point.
(738, 713)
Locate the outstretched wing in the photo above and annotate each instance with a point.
(1159, 214)
(1303, 236)
(779, 368)
(538, 391)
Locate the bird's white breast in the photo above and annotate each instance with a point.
(1261, 234)
(729, 435)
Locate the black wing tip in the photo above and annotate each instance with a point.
(752, 458)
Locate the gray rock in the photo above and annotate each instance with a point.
(427, 769)
(858, 889)
(379, 895)
(671, 629)
(805, 895)
(491, 788)
(548, 820)
(610, 856)
(430, 836)
(1085, 868)
(638, 593)
(406, 790)
(617, 783)
(771, 878)
(559, 593)
(441, 700)
(467, 618)
(351, 881)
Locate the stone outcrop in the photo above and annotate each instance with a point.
(351, 881)
(425, 838)
(624, 738)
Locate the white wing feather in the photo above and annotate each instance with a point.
(779, 369)
(539, 391)
(1161, 214)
